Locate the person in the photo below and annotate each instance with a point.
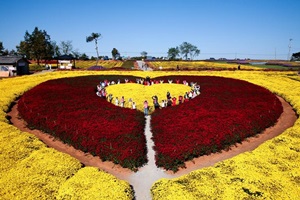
(162, 104)
(180, 98)
(110, 97)
(239, 67)
(174, 101)
(148, 80)
(166, 103)
(169, 102)
(185, 100)
(197, 88)
(117, 101)
(98, 93)
(103, 84)
(194, 94)
(190, 94)
(155, 102)
(130, 103)
(186, 95)
(133, 105)
(146, 108)
(168, 95)
(103, 93)
(122, 102)
(142, 81)
(99, 87)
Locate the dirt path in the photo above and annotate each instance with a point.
(148, 174)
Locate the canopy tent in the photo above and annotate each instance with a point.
(65, 62)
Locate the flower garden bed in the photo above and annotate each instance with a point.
(180, 133)
(269, 172)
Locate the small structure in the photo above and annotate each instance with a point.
(65, 62)
(13, 65)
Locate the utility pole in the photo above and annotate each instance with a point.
(288, 58)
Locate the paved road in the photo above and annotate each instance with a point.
(142, 66)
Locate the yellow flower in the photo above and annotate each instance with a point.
(139, 93)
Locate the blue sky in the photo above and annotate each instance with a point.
(256, 29)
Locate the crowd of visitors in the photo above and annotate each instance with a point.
(169, 101)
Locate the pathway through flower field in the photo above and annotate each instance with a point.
(148, 174)
(141, 65)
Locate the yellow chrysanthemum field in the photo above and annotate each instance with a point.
(31, 170)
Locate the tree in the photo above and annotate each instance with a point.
(115, 54)
(36, 46)
(56, 49)
(66, 47)
(296, 56)
(94, 37)
(12, 52)
(194, 52)
(188, 49)
(173, 53)
(76, 54)
(144, 54)
(1, 48)
(83, 57)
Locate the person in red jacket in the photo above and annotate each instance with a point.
(174, 101)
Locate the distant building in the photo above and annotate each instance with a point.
(65, 62)
(150, 58)
(13, 65)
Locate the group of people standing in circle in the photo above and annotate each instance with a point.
(169, 101)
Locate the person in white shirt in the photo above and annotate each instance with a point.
(117, 101)
(133, 105)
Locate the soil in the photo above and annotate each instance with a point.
(286, 120)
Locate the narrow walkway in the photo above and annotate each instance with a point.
(142, 66)
(143, 179)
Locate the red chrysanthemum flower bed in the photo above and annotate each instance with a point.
(70, 110)
(226, 112)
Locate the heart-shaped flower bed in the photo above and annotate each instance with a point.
(226, 112)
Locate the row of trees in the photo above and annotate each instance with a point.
(185, 49)
(39, 46)
(6, 52)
